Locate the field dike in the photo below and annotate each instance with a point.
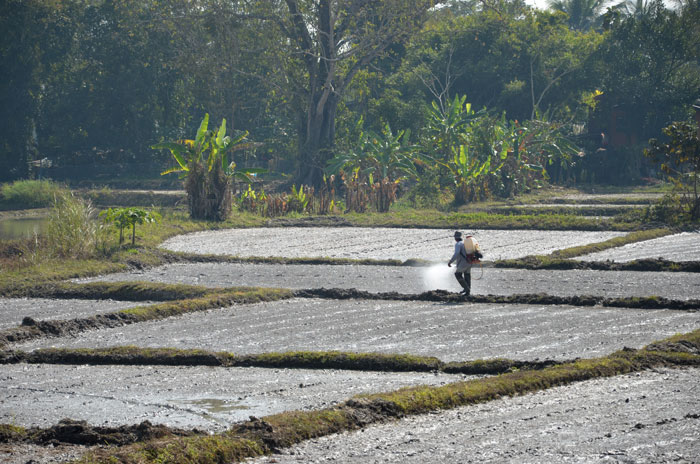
(132, 355)
(651, 302)
(81, 433)
(259, 436)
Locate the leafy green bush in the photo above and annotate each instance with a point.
(128, 217)
(29, 193)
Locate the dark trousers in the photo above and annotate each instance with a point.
(465, 280)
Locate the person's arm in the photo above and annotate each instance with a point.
(454, 255)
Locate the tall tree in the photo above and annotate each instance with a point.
(331, 41)
(36, 36)
(650, 66)
(583, 14)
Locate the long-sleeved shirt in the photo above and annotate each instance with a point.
(460, 256)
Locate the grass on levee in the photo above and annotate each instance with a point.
(431, 218)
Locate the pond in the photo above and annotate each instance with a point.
(22, 227)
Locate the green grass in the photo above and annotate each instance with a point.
(261, 436)
(220, 299)
(27, 194)
(484, 220)
(56, 269)
(133, 355)
(124, 291)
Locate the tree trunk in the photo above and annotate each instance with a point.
(316, 144)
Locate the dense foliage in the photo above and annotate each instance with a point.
(96, 82)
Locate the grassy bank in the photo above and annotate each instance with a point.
(136, 356)
(261, 436)
(482, 220)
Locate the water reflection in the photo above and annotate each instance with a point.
(11, 229)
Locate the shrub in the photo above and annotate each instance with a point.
(128, 217)
(72, 231)
(30, 193)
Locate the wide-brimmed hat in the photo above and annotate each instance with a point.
(458, 234)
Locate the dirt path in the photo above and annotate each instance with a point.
(402, 279)
(644, 417)
(451, 332)
(376, 243)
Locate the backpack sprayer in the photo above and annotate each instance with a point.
(473, 250)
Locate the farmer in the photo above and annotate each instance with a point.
(464, 260)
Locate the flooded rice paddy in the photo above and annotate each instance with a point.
(639, 418)
(206, 398)
(650, 416)
(376, 243)
(404, 279)
(679, 247)
(450, 332)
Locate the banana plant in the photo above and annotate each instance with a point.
(469, 173)
(209, 148)
(383, 155)
(204, 162)
(446, 126)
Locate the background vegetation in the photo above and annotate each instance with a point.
(89, 85)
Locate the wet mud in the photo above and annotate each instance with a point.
(31, 329)
(13, 310)
(376, 243)
(679, 247)
(209, 399)
(448, 331)
(134, 356)
(649, 416)
(77, 432)
(413, 280)
(532, 299)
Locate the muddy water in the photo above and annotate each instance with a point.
(679, 247)
(207, 398)
(11, 229)
(451, 332)
(376, 243)
(672, 285)
(644, 417)
(13, 310)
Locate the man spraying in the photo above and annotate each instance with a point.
(465, 255)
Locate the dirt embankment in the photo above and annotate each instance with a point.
(543, 299)
(81, 433)
(135, 356)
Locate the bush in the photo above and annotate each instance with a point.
(72, 231)
(30, 194)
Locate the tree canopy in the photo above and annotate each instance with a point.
(90, 82)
